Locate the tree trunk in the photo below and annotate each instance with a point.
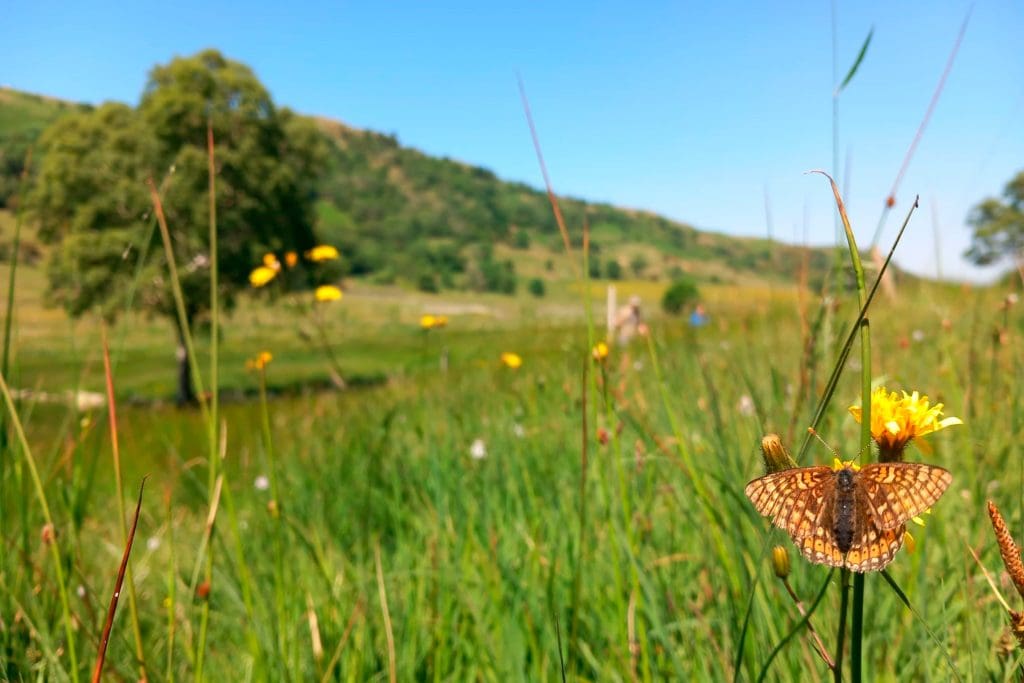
(186, 393)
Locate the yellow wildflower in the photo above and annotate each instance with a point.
(327, 293)
(261, 276)
(511, 360)
(896, 420)
(838, 464)
(290, 259)
(429, 322)
(600, 351)
(323, 252)
(259, 361)
(270, 261)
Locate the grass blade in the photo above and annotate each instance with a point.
(112, 610)
(856, 63)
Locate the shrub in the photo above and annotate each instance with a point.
(613, 270)
(680, 295)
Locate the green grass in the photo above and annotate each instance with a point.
(478, 557)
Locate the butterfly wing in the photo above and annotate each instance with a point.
(795, 499)
(875, 548)
(820, 546)
(898, 491)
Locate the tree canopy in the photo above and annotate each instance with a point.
(90, 197)
(998, 225)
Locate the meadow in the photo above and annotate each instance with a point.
(449, 517)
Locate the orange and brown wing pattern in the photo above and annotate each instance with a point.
(897, 491)
(875, 549)
(821, 548)
(793, 498)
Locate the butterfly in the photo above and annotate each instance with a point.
(847, 517)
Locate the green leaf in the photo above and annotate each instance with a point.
(856, 62)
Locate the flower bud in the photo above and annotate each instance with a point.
(780, 561)
(776, 457)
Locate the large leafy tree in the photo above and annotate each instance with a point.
(92, 202)
(998, 226)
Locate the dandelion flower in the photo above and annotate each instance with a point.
(261, 276)
(896, 420)
(429, 322)
(600, 351)
(478, 449)
(270, 261)
(327, 293)
(323, 252)
(511, 360)
(259, 361)
(291, 259)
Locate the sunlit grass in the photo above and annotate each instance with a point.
(475, 552)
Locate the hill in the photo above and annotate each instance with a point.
(399, 215)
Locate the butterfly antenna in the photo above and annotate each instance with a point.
(814, 432)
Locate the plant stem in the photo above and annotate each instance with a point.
(841, 632)
(53, 543)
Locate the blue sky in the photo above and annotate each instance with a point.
(699, 111)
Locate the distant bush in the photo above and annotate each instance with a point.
(427, 282)
(638, 264)
(680, 294)
(613, 270)
(537, 288)
(521, 240)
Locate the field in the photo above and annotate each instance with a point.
(448, 517)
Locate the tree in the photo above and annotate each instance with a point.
(998, 226)
(90, 197)
(613, 270)
(638, 264)
(679, 296)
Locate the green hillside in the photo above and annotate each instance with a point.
(399, 215)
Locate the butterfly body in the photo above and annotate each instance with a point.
(847, 517)
(844, 517)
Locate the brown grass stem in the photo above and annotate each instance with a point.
(890, 200)
(818, 644)
(544, 169)
(382, 593)
(357, 611)
(112, 610)
(115, 450)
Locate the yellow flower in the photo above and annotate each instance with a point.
(260, 361)
(324, 252)
(270, 261)
(600, 351)
(896, 420)
(261, 276)
(511, 360)
(429, 322)
(290, 259)
(327, 293)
